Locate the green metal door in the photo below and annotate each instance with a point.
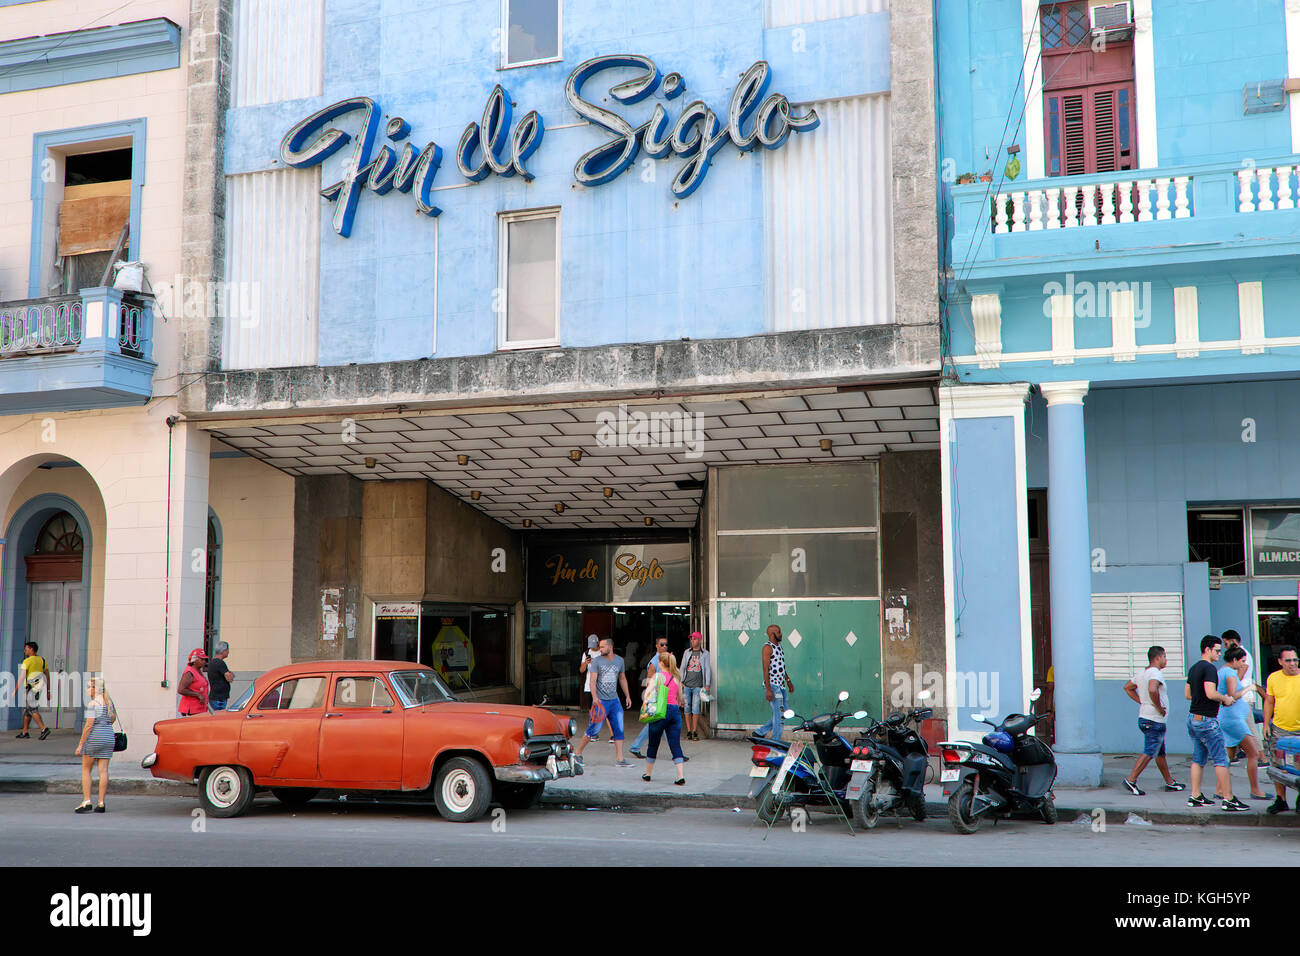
(829, 646)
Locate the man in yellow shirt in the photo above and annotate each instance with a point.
(34, 676)
(1282, 710)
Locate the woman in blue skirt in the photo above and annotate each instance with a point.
(1235, 721)
(96, 743)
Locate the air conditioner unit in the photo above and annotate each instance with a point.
(1112, 21)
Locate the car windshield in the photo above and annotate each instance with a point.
(244, 698)
(420, 687)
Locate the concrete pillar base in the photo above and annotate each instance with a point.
(1078, 770)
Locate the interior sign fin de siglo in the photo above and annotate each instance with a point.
(755, 118)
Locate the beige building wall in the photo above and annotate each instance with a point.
(150, 614)
(158, 98)
(254, 507)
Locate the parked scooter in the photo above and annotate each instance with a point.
(776, 795)
(888, 766)
(1010, 772)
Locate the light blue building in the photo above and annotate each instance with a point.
(464, 247)
(1121, 338)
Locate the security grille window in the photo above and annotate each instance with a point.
(532, 31)
(798, 531)
(529, 316)
(1124, 626)
(1218, 536)
(1064, 25)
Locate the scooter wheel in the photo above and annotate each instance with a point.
(864, 814)
(917, 808)
(770, 806)
(1048, 810)
(959, 810)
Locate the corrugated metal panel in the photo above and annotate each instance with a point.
(1125, 625)
(279, 50)
(272, 268)
(789, 13)
(830, 237)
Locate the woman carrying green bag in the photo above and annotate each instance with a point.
(665, 692)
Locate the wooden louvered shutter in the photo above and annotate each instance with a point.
(1090, 130)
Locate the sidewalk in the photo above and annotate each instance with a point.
(717, 776)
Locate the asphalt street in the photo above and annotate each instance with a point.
(40, 829)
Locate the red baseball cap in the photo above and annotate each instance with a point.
(197, 655)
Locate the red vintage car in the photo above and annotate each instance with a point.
(364, 726)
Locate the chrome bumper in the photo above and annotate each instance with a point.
(530, 773)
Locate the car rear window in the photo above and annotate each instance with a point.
(299, 693)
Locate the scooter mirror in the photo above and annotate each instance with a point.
(978, 718)
(924, 695)
(1038, 692)
(844, 695)
(788, 714)
(859, 714)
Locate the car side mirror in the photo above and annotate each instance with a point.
(788, 714)
(859, 714)
(1038, 692)
(844, 695)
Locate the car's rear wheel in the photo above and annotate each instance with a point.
(463, 790)
(518, 796)
(294, 796)
(225, 791)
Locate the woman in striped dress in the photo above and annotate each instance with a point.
(96, 743)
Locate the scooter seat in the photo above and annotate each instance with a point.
(767, 741)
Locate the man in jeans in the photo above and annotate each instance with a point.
(1282, 711)
(1148, 689)
(776, 681)
(607, 680)
(1203, 726)
(696, 677)
(219, 677)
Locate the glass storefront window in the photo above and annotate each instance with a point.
(395, 638)
(468, 647)
(771, 497)
(1275, 542)
(553, 649)
(797, 565)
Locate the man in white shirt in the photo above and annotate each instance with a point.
(1152, 697)
(1232, 639)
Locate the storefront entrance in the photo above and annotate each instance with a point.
(557, 639)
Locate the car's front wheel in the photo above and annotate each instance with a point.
(225, 791)
(463, 790)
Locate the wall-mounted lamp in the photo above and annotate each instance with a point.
(559, 507)
(462, 459)
(528, 522)
(575, 454)
(649, 521)
(370, 463)
(476, 495)
(825, 444)
(608, 492)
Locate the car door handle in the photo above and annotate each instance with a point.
(255, 716)
(333, 715)
(388, 710)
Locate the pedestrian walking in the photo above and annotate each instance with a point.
(651, 668)
(671, 724)
(607, 681)
(1282, 711)
(96, 744)
(193, 686)
(697, 678)
(1202, 690)
(220, 677)
(775, 681)
(1152, 696)
(34, 677)
(1236, 720)
(1232, 639)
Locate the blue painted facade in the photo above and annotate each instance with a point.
(637, 263)
(1163, 419)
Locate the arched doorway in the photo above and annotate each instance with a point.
(46, 583)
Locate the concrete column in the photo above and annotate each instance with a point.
(986, 554)
(1078, 755)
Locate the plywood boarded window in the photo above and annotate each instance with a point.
(91, 217)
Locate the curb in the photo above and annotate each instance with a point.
(124, 786)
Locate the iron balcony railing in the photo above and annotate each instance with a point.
(94, 320)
